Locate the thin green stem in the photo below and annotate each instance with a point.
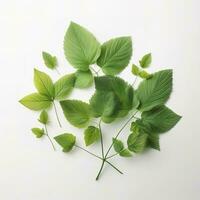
(112, 155)
(101, 135)
(54, 105)
(47, 134)
(94, 70)
(135, 81)
(114, 167)
(57, 71)
(100, 170)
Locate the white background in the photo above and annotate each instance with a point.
(29, 169)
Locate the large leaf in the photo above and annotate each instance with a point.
(76, 112)
(66, 141)
(91, 135)
(64, 86)
(81, 47)
(161, 119)
(84, 79)
(155, 91)
(43, 83)
(36, 101)
(115, 55)
(49, 60)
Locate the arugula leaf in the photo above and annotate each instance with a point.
(125, 153)
(36, 101)
(91, 135)
(155, 91)
(78, 113)
(66, 141)
(43, 83)
(153, 141)
(49, 60)
(161, 119)
(81, 47)
(115, 55)
(118, 145)
(43, 117)
(145, 61)
(84, 79)
(135, 70)
(38, 132)
(64, 86)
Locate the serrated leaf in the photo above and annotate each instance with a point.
(155, 91)
(38, 132)
(66, 141)
(43, 83)
(125, 153)
(81, 47)
(64, 86)
(118, 145)
(144, 74)
(43, 117)
(36, 101)
(135, 70)
(49, 60)
(91, 135)
(115, 55)
(78, 113)
(153, 141)
(161, 119)
(83, 79)
(145, 61)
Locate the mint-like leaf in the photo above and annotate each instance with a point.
(91, 135)
(49, 60)
(145, 61)
(38, 132)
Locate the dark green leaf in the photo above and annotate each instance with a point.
(43, 117)
(81, 47)
(76, 112)
(118, 145)
(49, 60)
(66, 141)
(153, 141)
(91, 135)
(38, 132)
(125, 153)
(145, 61)
(84, 79)
(115, 55)
(36, 101)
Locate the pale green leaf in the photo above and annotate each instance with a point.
(91, 135)
(118, 145)
(115, 55)
(155, 91)
(145, 61)
(125, 153)
(66, 141)
(43, 83)
(36, 101)
(38, 132)
(78, 113)
(81, 47)
(83, 79)
(135, 70)
(43, 117)
(49, 60)
(144, 74)
(64, 86)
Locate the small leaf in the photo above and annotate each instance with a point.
(76, 112)
(125, 153)
(115, 55)
(84, 79)
(91, 135)
(43, 83)
(118, 145)
(66, 141)
(145, 61)
(155, 91)
(36, 101)
(135, 70)
(43, 117)
(49, 60)
(81, 47)
(145, 75)
(153, 141)
(38, 132)
(64, 86)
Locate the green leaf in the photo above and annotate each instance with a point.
(43, 83)
(153, 141)
(91, 135)
(125, 153)
(43, 117)
(115, 55)
(145, 61)
(49, 60)
(38, 132)
(137, 142)
(135, 70)
(145, 75)
(36, 101)
(161, 119)
(118, 145)
(81, 47)
(84, 79)
(64, 86)
(76, 112)
(155, 91)
(66, 141)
